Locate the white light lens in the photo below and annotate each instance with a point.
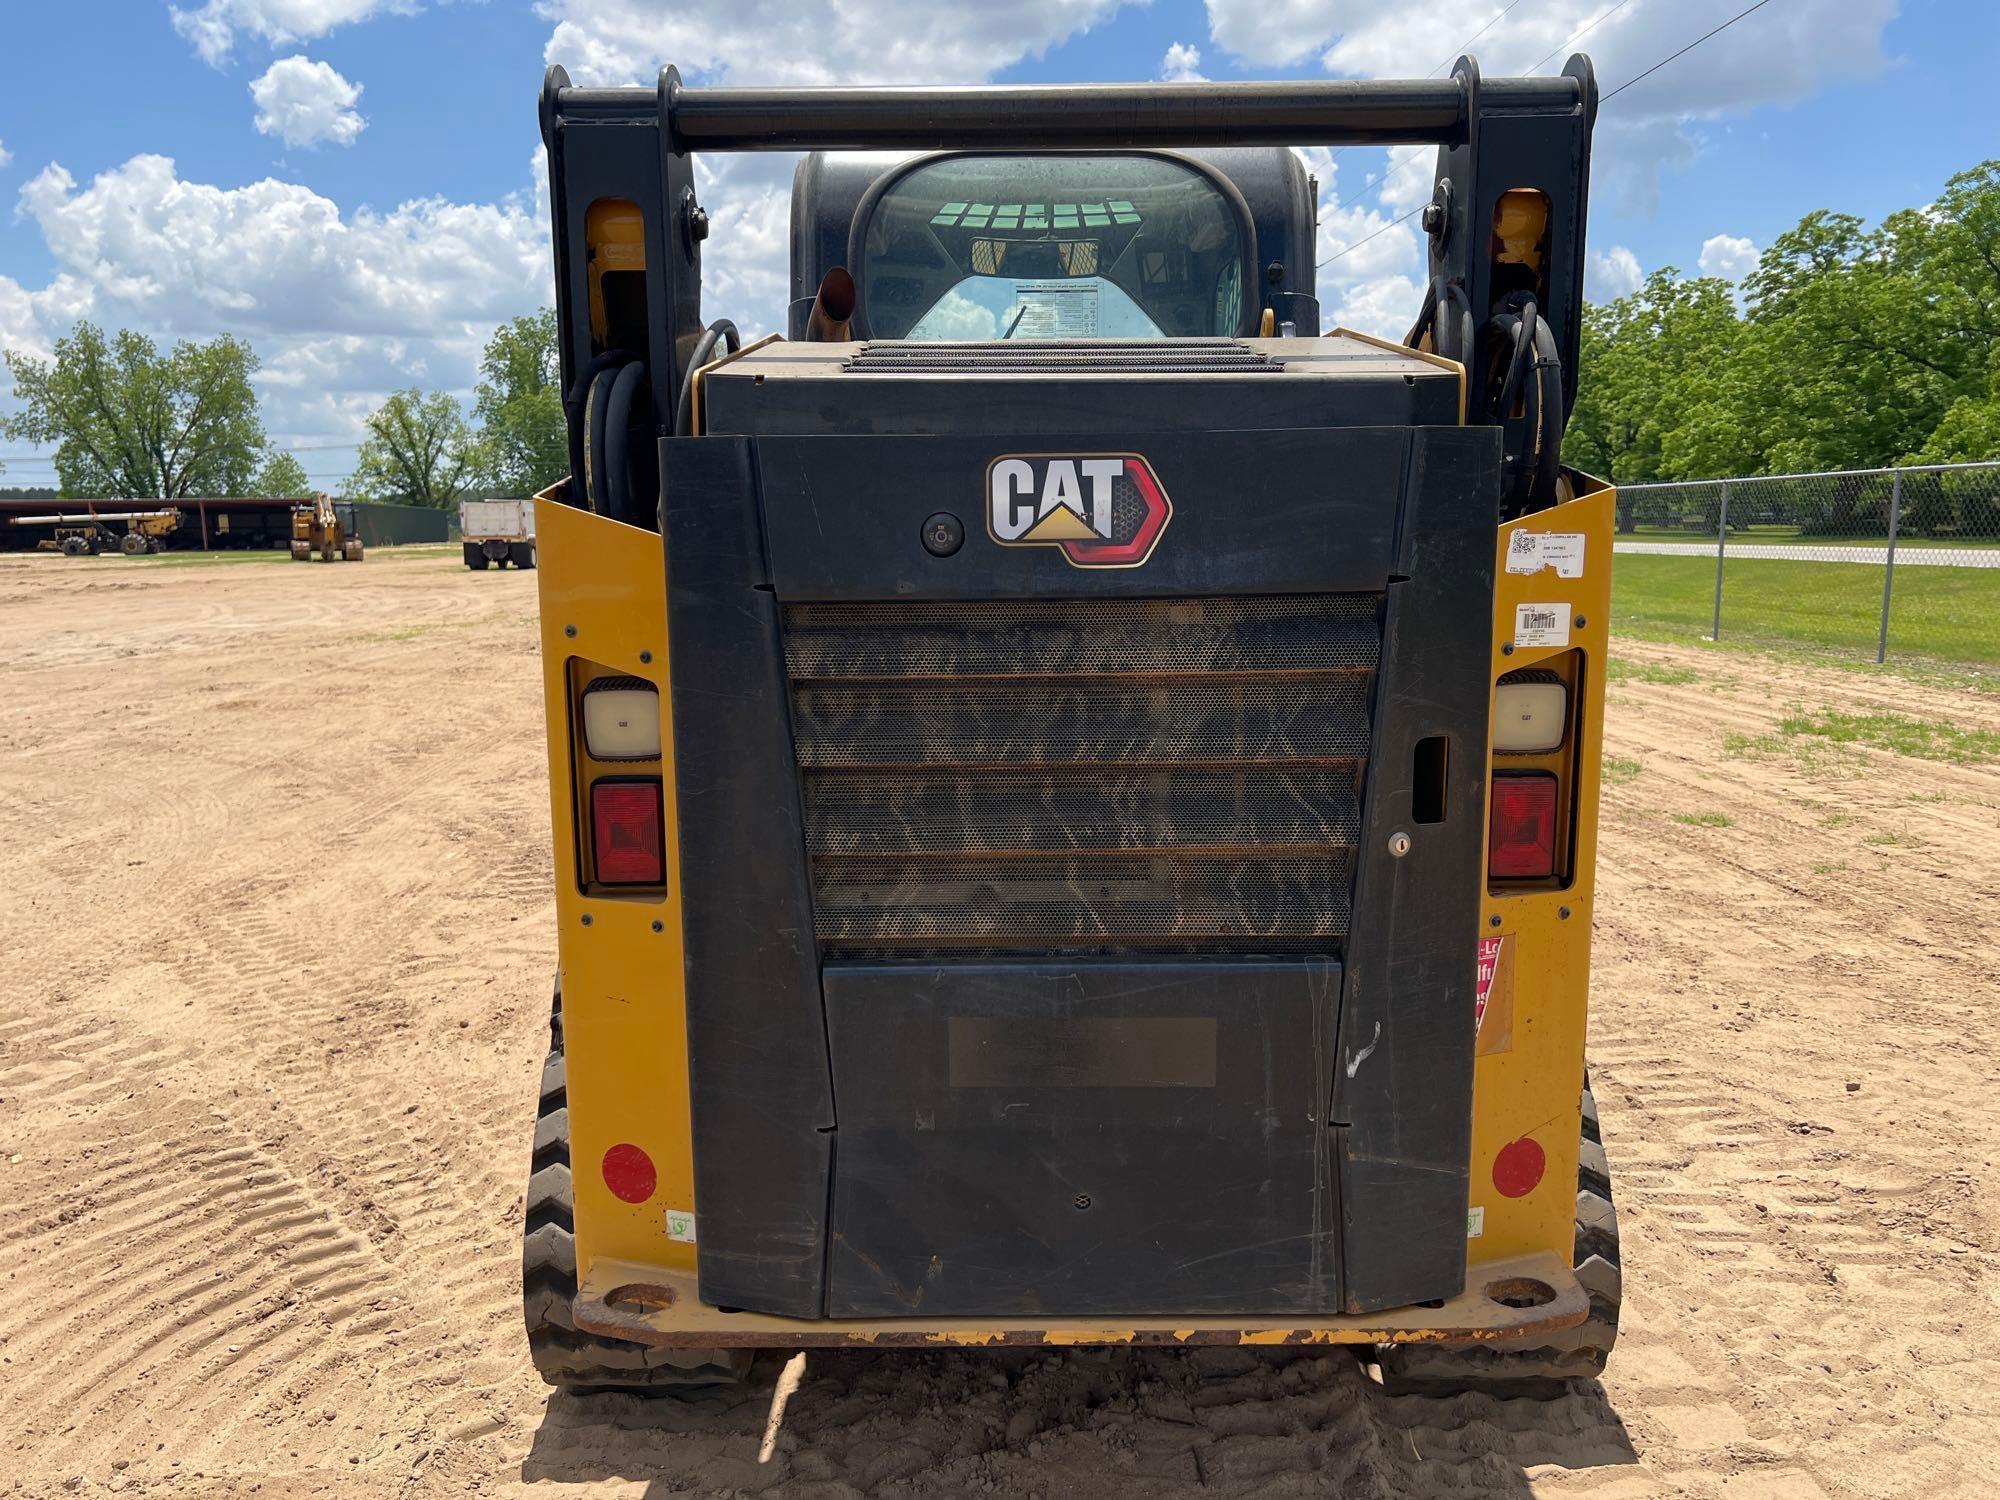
(622, 724)
(1529, 717)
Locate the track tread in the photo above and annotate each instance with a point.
(1544, 1367)
(565, 1355)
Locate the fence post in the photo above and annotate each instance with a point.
(1889, 563)
(1721, 545)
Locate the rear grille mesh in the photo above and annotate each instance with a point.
(1072, 777)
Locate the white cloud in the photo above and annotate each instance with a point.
(212, 28)
(1409, 178)
(1780, 55)
(1372, 269)
(1182, 64)
(1611, 274)
(1385, 307)
(959, 317)
(304, 102)
(746, 265)
(1730, 256)
(6, 156)
(342, 307)
(780, 42)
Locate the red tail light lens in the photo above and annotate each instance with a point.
(1523, 841)
(626, 834)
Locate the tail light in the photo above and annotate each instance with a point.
(1530, 713)
(1522, 845)
(621, 719)
(626, 836)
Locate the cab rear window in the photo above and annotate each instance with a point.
(1050, 247)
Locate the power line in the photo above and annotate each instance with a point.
(1574, 37)
(1376, 234)
(1685, 50)
(1607, 15)
(1582, 32)
(1459, 50)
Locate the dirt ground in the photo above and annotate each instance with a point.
(274, 905)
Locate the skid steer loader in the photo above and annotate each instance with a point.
(1074, 788)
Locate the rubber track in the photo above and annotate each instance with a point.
(1542, 1367)
(565, 1355)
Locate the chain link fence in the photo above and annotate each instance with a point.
(1883, 563)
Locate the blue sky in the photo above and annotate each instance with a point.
(386, 213)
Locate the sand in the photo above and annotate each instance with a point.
(274, 905)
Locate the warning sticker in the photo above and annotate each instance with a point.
(1493, 995)
(1057, 309)
(1541, 624)
(1475, 1223)
(1489, 965)
(1532, 551)
(680, 1225)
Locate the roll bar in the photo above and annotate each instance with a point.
(1509, 312)
(1043, 117)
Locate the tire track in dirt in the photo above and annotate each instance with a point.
(287, 1109)
(1796, 1189)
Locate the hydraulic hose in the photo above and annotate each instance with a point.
(625, 387)
(1531, 381)
(704, 350)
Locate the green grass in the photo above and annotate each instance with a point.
(209, 559)
(1941, 615)
(1891, 841)
(1922, 739)
(1838, 820)
(1618, 770)
(1829, 866)
(1617, 669)
(1819, 759)
(415, 632)
(1705, 820)
(411, 552)
(1792, 536)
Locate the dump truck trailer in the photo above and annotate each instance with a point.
(1074, 789)
(497, 532)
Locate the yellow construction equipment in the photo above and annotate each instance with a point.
(318, 530)
(1074, 794)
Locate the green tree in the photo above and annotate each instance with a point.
(524, 445)
(420, 451)
(282, 477)
(1856, 347)
(131, 423)
(1647, 360)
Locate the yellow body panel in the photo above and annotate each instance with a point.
(603, 603)
(1532, 1087)
(603, 587)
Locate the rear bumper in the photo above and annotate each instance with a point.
(648, 1305)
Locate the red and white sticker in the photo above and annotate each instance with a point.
(1489, 965)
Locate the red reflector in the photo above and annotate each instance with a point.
(1518, 1167)
(1523, 842)
(625, 832)
(628, 1172)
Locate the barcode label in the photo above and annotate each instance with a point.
(1541, 625)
